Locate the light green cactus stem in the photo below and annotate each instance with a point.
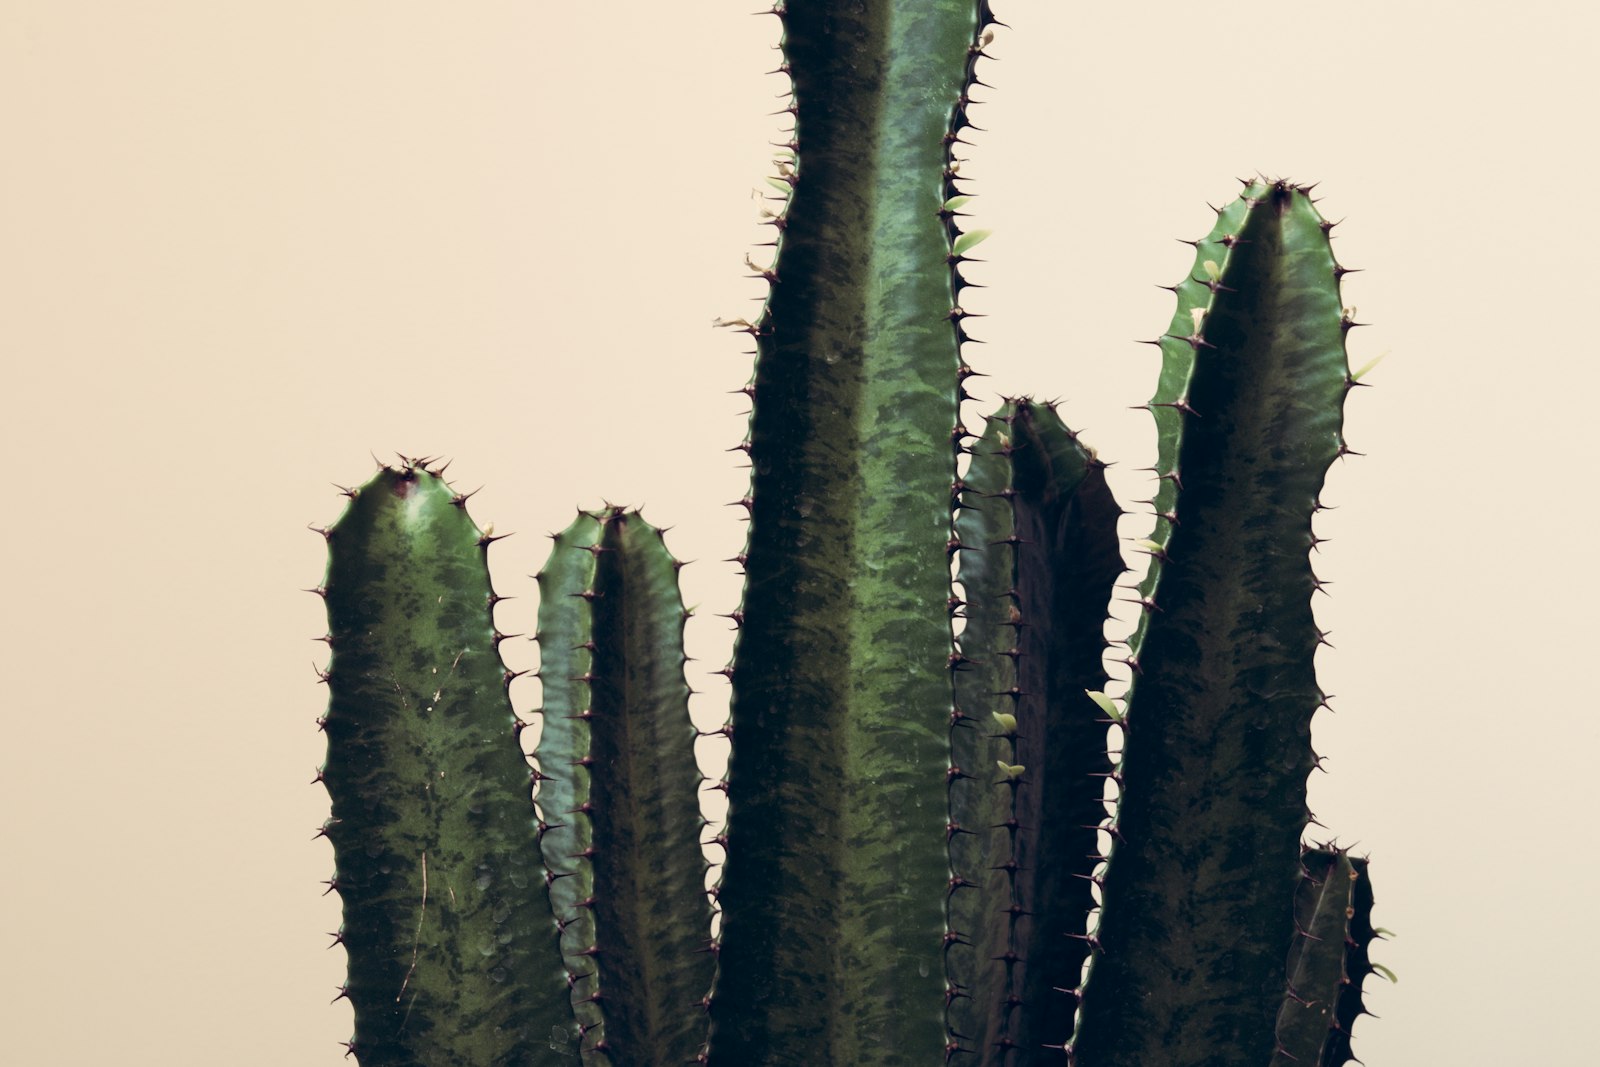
(1327, 960)
(1189, 960)
(1038, 559)
(833, 893)
(619, 814)
(449, 935)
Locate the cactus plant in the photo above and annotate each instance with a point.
(920, 864)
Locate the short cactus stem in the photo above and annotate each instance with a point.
(446, 924)
(619, 792)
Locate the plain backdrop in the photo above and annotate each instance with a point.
(244, 246)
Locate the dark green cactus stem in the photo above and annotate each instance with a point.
(1038, 559)
(1199, 891)
(450, 940)
(619, 813)
(833, 893)
(1327, 960)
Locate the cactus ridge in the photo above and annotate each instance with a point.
(619, 813)
(445, 923)
(832, 891)
(1217, 734)
(1039, 557)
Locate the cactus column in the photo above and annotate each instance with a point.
(1039, 556)
(1199, 891)
(620, 822)
(449, 934)
(832, 897)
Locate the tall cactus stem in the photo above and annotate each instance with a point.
(832, 894)
(1200, 884)
(1039, 558)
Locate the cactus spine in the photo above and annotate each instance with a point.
(915, 872)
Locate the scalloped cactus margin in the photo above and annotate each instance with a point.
(917, 869)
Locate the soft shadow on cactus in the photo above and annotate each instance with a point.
(933, 855)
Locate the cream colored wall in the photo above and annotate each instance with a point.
(242, 244)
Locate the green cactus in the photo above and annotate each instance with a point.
(620, 819)
(1039, 555)
(841, 691)
(1213, 788)
(447, 930)
(916, 862)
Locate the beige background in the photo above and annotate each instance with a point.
(242, 244)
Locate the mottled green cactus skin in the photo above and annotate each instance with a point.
(832, 898)
(917, 870)
(1039, 555)
(1191, 940)
(446, 924)
(619, 813)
